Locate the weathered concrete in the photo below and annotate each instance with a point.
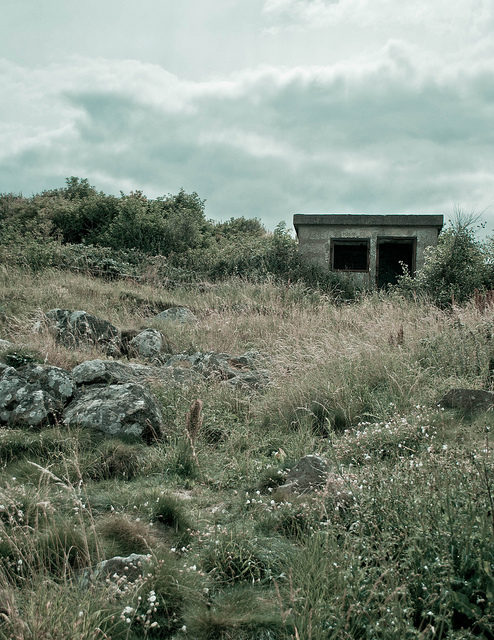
(317, 233)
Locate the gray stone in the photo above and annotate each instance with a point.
(33, 395)
(309, 474)
(120, 569)
(239, 371)
(74, 328)
(111, 372)
(176, 314)
(468, 400)
(124, 409)
(147, 344)
(57, 382)
(5, 344)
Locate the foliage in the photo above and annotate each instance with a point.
(455, 268)
(77, 227)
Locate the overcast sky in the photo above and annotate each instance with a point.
(266, 108)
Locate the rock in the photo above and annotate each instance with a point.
(309, 474)
(5, 344)
(240, 371)
(119, 569)
(117, 409)
(147, 344)
(111, 372)
(73, 328)
(177, 374)
(176, 314)
(57, 382)
(468, 400)
(33, 395)
(116, 372)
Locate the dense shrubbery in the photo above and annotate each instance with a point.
(80, 228)
(456, 267)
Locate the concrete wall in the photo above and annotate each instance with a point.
(315, 244)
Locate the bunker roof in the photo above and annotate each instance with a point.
(369, 220)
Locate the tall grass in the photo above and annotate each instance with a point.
(404, 550)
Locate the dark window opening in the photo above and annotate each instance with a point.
(350, 255)
(392, 253)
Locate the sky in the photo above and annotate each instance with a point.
(265, 108)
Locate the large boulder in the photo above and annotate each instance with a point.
(147, 344)
(111, 372)
(176, 314)
(74, 328)
(33, 395)
(468, 400)
(117, 409)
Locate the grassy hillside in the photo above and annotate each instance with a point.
(402, 549)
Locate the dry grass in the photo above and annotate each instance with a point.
(420, 478)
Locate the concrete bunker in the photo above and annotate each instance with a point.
(368, 249)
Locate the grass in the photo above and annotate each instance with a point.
(400, 546)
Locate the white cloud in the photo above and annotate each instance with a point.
(395, 131)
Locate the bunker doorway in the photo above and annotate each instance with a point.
(391, 252)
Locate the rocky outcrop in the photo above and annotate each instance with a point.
(176, 314)
(33, 395)
(117, 409)
(468, 400)
(76, 328)
(5, 344)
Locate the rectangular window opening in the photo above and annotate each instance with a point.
(350, 254)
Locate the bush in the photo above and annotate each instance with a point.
(454, 269)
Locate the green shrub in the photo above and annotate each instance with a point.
(454, 269)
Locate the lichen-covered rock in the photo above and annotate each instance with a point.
(117, 409)
(241, 371)
(111, 372)
(33, 395)
(468, 400)
(176, 314)
(74, 328)
(57, 382)
(147, 344)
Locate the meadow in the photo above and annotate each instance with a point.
(406, 553)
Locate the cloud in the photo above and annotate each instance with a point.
(462, 17)
(392, 132)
